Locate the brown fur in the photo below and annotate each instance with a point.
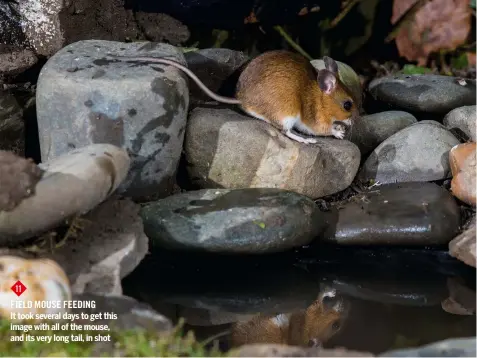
(316, 324)
(288, 86)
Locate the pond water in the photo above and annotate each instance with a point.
(359, 298)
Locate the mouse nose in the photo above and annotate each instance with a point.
(314, 342)
(331, 302)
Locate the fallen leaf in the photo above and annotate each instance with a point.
(438, 25)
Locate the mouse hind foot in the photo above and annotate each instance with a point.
(286, 124)
(290, 122)
(298, 138)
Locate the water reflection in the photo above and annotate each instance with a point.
(272, 300)
(312, 326)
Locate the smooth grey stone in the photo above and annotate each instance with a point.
(419, 152)
(225, 149)
(464, 119)
(84, 97)
(424, 93)
(252, 221)
(453, 347)
(410, 213)
(70, 185)
(371, 130)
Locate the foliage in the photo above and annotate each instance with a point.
(428, 33)
(137, 343)
(431, 27)
(415, 70)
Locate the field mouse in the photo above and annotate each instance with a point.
(310, 327)
(283, 89)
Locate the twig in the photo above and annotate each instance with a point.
(405, 19)
(292, 43)
(343, 13)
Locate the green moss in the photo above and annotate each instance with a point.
(460, 62)
(137, 343)
(415, 70)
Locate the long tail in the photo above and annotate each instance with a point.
(188, 72)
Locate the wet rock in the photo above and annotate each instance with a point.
(391, 289)
(371, 130)
(213, 66)
(348, 76)
(419, 152)
(462, 247)
(281, 350)
(462, 119)
(454, 347)
(131, 314)
(72, 184)
(11, 124)
(18, 178)
(424, 93)
(227, 149)
(43, 280)
(462, 159)
(145, 113)
(108, 244)
(461, 300)
(253, 221)
(418, 213)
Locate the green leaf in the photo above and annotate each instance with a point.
(459, 62)
(259, 223)
(415, 70)
(472, 4)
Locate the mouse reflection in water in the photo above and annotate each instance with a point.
(312, 326)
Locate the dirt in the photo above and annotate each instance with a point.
(109, 20)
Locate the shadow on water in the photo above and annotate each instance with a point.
(362, 299)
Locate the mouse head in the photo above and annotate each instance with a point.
(337, 101)
(324, 318)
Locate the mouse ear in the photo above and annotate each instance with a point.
(330, 64)
(326, 81)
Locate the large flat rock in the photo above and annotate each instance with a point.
(225, 149)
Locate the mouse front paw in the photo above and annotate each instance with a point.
(338, 130)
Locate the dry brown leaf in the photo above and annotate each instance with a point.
(438, 25)
(471, 59)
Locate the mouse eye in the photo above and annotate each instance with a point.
(347, 105)
(335, 326)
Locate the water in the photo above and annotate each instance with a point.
(362, 299)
